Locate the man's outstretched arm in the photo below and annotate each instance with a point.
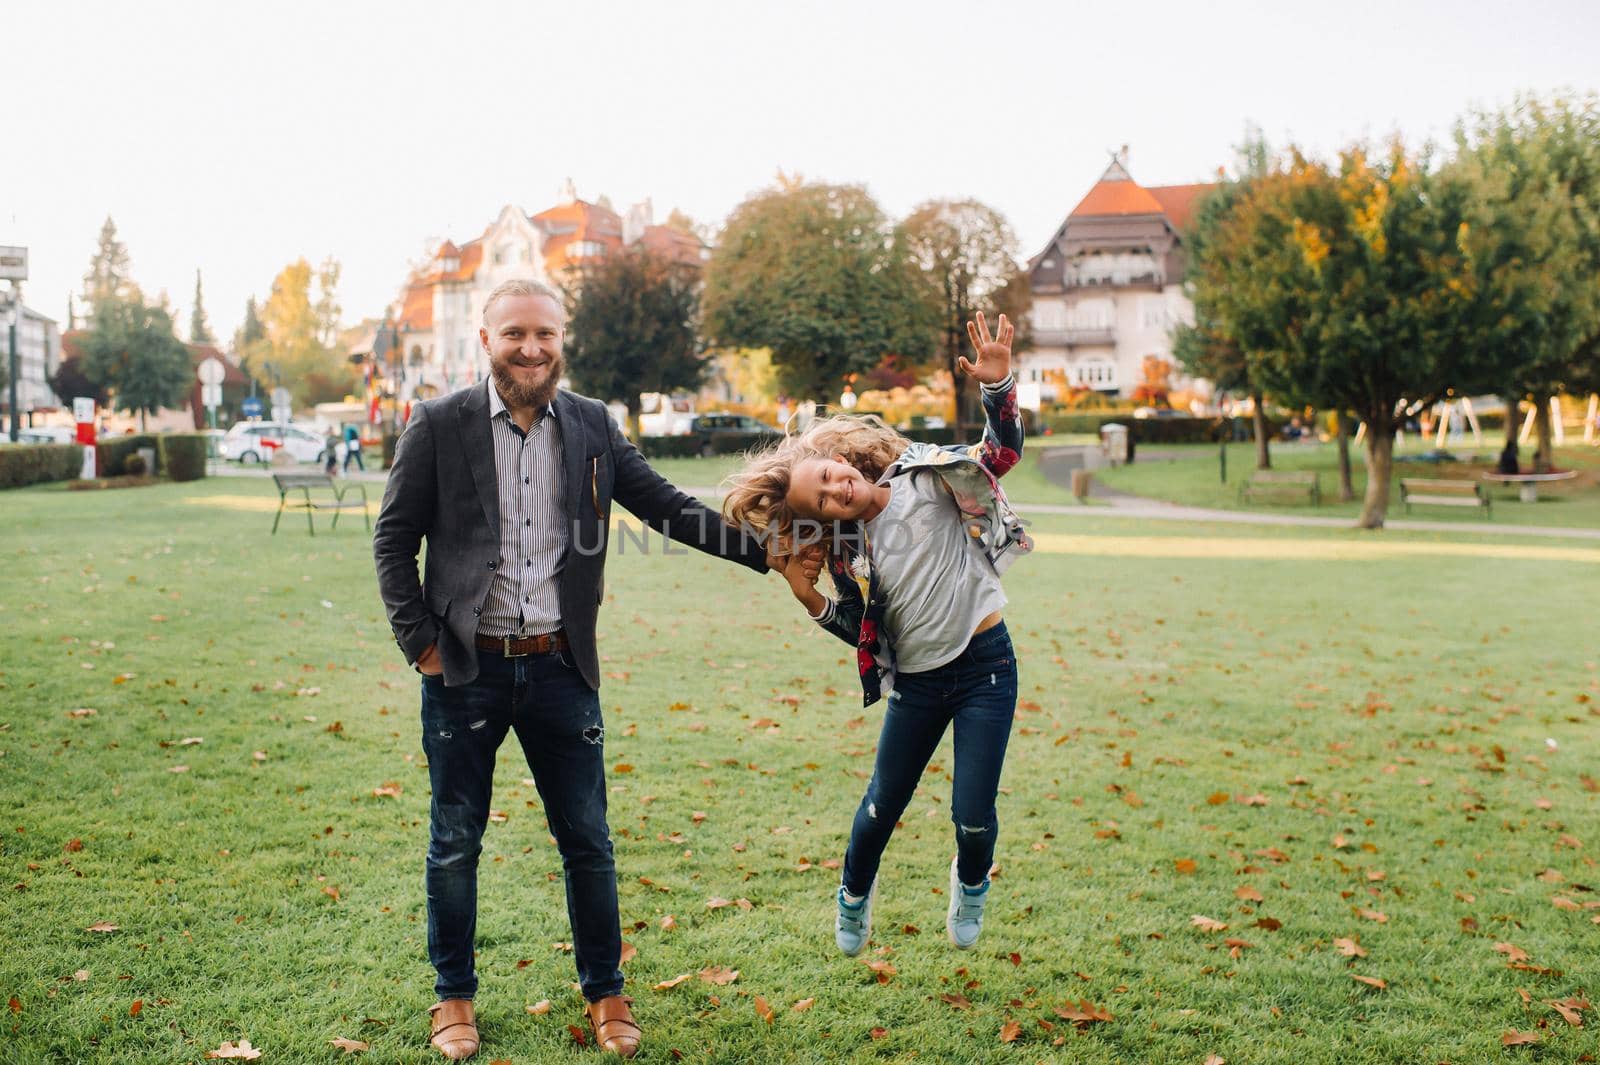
(655, 501)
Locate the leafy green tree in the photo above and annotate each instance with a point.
(1348, 287)
(964, 255)
(1530, 179)
(108, 275)
(199, 328)
(327, 307)
(292, 341)
(132, 352)
(69, 381)
(810, 271)
(632, 329)
(1208, 349)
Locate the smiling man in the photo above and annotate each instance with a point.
(510, 483)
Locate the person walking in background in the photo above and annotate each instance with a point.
(352, 448)
(510, 482)
(330, 453)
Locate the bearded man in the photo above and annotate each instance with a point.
(510, 482)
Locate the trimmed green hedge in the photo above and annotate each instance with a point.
(183, 455)
(1151, 430)
(113, 451)
(669, 447)
(22, 464)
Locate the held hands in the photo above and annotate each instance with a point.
(801, 570)
(993, 360)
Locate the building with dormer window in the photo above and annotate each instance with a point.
(1108, 287)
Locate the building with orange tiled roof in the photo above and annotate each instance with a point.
(441, 304)
(1108, 286)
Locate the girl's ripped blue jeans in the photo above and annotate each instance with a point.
(977, 692)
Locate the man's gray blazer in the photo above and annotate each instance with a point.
(443, 489)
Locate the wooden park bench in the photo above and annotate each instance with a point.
(304, 483)
(1288, 485)
(1443, 492)
(1528, 483)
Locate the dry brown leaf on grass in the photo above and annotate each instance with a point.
(763, 1010)
(1512, 953)
(349, 1046)
(542, 1007)
(878, 1033)
(803, 1005)
(668, 923)
(1373, 915)
(1515, 1038)
(1010, 1032)
(1216, 1059)
(1207, 924)
(1370, 981)
(243, 1051)
(389, 790)
(1568, 1008)
(1185, 865)
(1246, 893)
(1083, 1014)
(102, 926)
(136, 1008)
(717, 902)
(667, 985)
(577, 1036)
(719, 975)
(1349, 948)
(960, 1002)
(15, 1004)
(629, 952)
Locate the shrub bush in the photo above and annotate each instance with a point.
(183, 456)
(133, 465)
(738, 443)
(22, 464)
(113, 453)
(925, 435)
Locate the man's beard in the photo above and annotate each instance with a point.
(517, 394)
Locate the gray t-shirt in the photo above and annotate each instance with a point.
(937, 582)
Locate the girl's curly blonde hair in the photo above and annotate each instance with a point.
(757, 497)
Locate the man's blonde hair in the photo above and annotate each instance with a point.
(521, 286)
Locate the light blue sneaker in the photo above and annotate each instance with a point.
(965, 918)
(853, 927)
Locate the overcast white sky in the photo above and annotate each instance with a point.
(236, 138)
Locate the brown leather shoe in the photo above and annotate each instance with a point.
(455, 1028)
(613, 1024)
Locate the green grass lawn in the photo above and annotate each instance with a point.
(1333, 743)
(1190, 474)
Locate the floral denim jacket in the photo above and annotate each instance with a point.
(972, 475)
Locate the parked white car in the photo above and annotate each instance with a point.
(249, 442)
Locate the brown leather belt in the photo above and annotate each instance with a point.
(517, 647)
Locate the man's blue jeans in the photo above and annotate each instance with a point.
(978, 693)
(556, 716)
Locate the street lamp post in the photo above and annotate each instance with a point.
(13, 314)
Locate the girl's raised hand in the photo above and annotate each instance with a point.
(993, 361)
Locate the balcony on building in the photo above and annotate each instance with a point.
(1079, 337)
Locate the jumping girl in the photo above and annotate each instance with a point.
(916, 539)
